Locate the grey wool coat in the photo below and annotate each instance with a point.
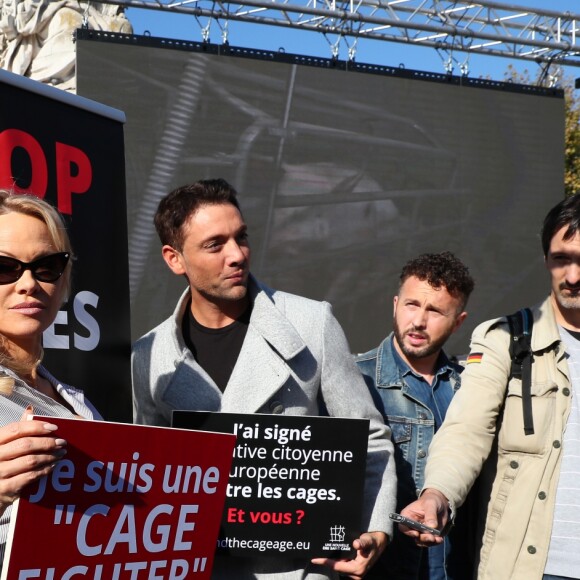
(294, 353)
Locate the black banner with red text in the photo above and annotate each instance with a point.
(69, 151)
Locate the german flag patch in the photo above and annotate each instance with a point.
(474, 357)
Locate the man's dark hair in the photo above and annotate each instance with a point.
(566, 213)
(178, 206)
(441, 270)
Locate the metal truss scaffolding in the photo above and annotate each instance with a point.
(484, 27)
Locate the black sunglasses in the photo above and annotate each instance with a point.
(46, 269)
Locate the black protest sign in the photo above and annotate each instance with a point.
(296, 483)
(70, 152)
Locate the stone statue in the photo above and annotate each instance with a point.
(37, 36)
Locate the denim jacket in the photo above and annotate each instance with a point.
(413, 426)
(412, 423)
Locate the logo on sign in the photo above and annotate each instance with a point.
(336, 541)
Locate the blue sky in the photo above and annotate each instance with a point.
(274, 38)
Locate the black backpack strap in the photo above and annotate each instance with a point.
(521, 324)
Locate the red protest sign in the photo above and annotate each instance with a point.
(126, 502)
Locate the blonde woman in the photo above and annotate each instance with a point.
(35, 269)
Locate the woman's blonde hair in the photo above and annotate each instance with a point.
(33, 206)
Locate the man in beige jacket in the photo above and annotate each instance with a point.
(529, 484)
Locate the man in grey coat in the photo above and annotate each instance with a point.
(234, 345)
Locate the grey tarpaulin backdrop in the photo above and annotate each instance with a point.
(343, 175)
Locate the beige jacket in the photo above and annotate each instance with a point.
(518, 482)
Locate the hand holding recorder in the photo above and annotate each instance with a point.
(414, 524)
(430, 512)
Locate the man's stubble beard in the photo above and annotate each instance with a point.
(570, 302)
(417, 353)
